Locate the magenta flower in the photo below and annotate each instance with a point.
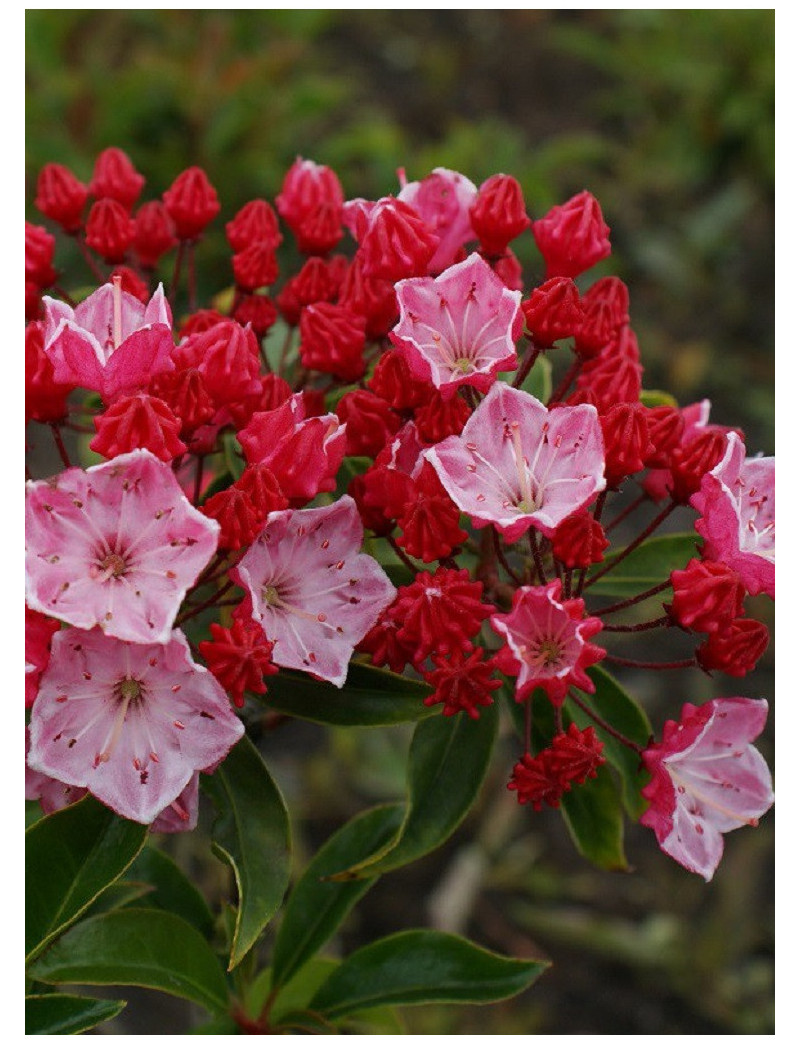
(311, 590)
(517, 465)
(111, 342)
(443, 200)
(546, 642)
(708, 779)
(130, 722)
(117, 545)
(458, 329)
(737, 503)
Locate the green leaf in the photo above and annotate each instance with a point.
(370, 697)
(147, 948)
(657, 399)
(63, 1014)
(317, 906)
(593, 815)
(422, 967)
(232, 455)
(646, 566)
(295, 994)
(447, 762)
(612, 703)
(538, 382)
(170, 889)
(71, 857)
(251, 832)
(120, 894)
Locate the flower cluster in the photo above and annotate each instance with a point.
(389, 398)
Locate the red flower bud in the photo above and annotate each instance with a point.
(461, 682)
(239, 657)
(184, 391)
(312, 284)
(258, 311)
(154, 233)
(45, 400)
(579, 541)
(509, 270)
(109, 230)
(39, 252)
(61, 196)
(139, 421)
(734, 649)
(553, 311)
(332, 340)
(115, 177)
(397, 243)
(605, 307)
(239, 520)
(708, 596)
(626, 441)
(691, 461)
(254, 223)
(374, 298)
(255, 267)
(320, 231)
(191, 202)
(664, 427)
(261, 486)
(392, 380)
(229, 361)
(498, 213)
(430, 520)
(200, 321)
(307, 187)
(370, 422)
(439, 417)
(573, 237)
(131, 283)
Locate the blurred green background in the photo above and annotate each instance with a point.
(668, 118)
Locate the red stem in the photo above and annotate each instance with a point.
(662, 622)
(601, 722)
(656, 522)
(634, 599)
(62, 451)
(656, 666)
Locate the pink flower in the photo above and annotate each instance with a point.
(116, 546)
(707, 780)
(737, 503)
(131, 722)
(443, 200)
(459, 329)
(111, 342)
(311, 590)
(517, 465)
(547, 640)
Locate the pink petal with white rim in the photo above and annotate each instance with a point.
(458, 329)
(443, 200)
(117, 546)
(131, 722)
(311, 590)
(517, 465)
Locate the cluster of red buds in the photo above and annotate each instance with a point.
(261, 459)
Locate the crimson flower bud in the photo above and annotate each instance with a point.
(39, 252)
(33, 301)
(691, 461)
(441, 417)
(509, 270)
(154, 233)
(45, 400)
(200, 321)
(308, 186)
(61, 196)
(735, 648)
(255, 222)
(664, 427)
(397, 242)
(392, 380)
(191, 202)
(230, 361)
(573, 237)
(312, 284)
(115, 177)
(332, 340)
(370, 422)
(109, 230)
(461, 682)
(261, 486)
(430, 520)
(131, 283)
(139, 421)
(381, 642)
(708, 596)
(371, 511)
(321, 230)
(184, 391)
(605, 307)
(498, 213)
(255, 267)
(239, 520)
(239, 657)
(374, 298)
(553, 311)
(258, 311)
(579, 541)
(626, 440)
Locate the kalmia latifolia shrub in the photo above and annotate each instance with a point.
(397, 482)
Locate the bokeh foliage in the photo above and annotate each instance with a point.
(668, 117)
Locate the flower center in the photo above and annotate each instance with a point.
(463, 365)
(546, 653)
(271, 596)
(112, 566)
(129, 689)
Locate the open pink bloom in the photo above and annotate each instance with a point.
(547, 640)
(304, 454)
(131, 722)
(458, 329)
(117, 545)
(517, 465)
(311, 590)
(708, 779)
(737, 503)
(111, 342)
(443, 200)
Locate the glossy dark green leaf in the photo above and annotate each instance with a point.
(594, 818)
(71, 857)
(422, 967)
(370, 697)
(295, 994)
(646, 566)
(447, 762)
(64, 1014)
(317, 906)
(120, 894)
(611, 701)
(251, 832)
(168, 888)
(147, 948)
